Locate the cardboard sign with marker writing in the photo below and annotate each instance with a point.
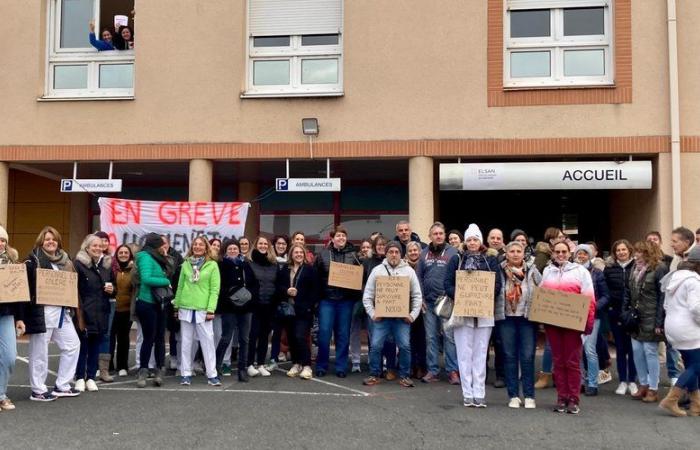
(392, 296)
(345, 276)
(562, 309)
(56, 288)
(14, 286)
(474, 293)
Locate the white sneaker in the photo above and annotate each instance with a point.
(80, 385)
(674, 381)
(294, 371)
(123, 373)
(530, 403)
(173, 363)
(91, 386)
(307, 373)
(252, 371)
(263, 371)
(633, 388)
(282, 357)
(514, 403)
(356, 368)
(604, 377)
(622, 388)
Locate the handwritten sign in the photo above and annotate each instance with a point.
(14, 286)
(562, 309)
(127, 221)
(345, 276)
(392, 296)
(474, 293)
(56, 288)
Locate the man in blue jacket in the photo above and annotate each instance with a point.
(431, 274)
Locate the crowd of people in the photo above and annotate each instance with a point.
(267, 301)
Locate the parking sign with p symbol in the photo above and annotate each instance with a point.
(282, 184)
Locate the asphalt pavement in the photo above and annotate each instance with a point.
(280, 412)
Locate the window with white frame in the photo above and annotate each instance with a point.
(558, 43)
(295, 48)
(76, 69)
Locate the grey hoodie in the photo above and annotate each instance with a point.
(401, 270)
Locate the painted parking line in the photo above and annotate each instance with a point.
(26, 361)
(234, 391)
(338, 386)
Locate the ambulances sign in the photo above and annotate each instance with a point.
(308, 184)
(546, 176)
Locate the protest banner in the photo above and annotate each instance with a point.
(128, 221)
(346, 276)
(56, 288)
(563, 309)
(14, 286)
(474, 293)
(392, 296)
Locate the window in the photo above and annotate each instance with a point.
(294, 48)
(557, 43)
(76, 69)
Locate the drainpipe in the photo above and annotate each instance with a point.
(675, 113)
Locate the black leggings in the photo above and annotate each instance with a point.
(229, 322)
(119, 339)
(152, 320)
(298, 329)
(260, 329)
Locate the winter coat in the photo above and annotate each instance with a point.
(401, 270)
(646, 296)
(414, 238)
(533, 279)
(617, 279)
(543, 256)
(31, 313)
(200, 295)
(94, 301)
(572, 277)
(682, 306)
(266, 273)
(235, 275)
(306, 283)
(600, 289)
(431, 270)
(150, 275)
(124, 287)
(481, 262)
(345, 255)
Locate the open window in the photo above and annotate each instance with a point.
(295, 48)
(79, 69)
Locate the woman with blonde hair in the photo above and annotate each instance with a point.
(195, 302)
(47, 324)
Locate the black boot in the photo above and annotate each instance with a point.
(242, 375)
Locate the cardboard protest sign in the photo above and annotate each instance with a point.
(56, 288)
(345, 276)
(474, 293)
(120, 21)
(563, 309)
(14, 286)
(392, 296)
(128, 221)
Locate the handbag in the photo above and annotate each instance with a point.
(629, 319)
(162, 294)
(242, 295)
(285, 310)
(444, 306)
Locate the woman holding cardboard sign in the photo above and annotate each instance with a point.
(563, 275)
(47, 323)
(472, 333)
(95, 288)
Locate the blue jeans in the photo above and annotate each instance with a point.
(518, 338)
(689, 379)
(334, 318)
(433, 329)
(673, 360)
(388, 349)
(401, 332)
(626, 370)
(591, 355)
(646, 359)
(106, 338)
(8, 352)
(89, 355)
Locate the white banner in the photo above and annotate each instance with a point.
(546, 176)
(128, 221)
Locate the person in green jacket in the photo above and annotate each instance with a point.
(195, 303)
(152, 267)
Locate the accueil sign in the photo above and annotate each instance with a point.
(546, 176)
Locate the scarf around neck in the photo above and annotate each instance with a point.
(514, 290)
(197, 262)
(60, 259)
(640, 268)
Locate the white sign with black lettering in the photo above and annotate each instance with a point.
(308, 184)
(106, 185)
(546, 176)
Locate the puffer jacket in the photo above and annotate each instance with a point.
(646, 296)
(600, 288)
(682, 306)
(617, 279)
(473, 261)
(266, 273)
(401, 270)
(572, 277)
(345, 255)
(533, 278)
(94, 301)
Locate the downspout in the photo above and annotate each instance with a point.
(675, 113)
